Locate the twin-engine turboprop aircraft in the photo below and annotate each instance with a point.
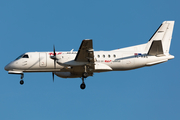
(86, 61)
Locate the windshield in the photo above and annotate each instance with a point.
(22, 56)
(19, 57)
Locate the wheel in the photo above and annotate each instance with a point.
(21, 82)
(82, 86)
(85, 75)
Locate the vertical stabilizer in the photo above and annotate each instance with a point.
(168, 36)
(160, 42)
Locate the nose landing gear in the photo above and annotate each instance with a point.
(22, 81)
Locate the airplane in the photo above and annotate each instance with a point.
(85, 62)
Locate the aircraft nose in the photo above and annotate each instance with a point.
(6, 67)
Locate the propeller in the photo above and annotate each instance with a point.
(54, 58)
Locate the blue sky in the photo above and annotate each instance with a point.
(150, 93)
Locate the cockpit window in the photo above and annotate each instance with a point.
(25, 56)
(22, 56)
(19, 57)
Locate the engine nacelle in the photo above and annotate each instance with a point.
(67, 75)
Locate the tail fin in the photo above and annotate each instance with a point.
(160, 42)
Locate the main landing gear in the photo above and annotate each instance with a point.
(22, 81)
(84, 75)
(83, 85)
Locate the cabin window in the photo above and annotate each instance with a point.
(109, 56)
(98, 56)
(103, 56)
(114, 56)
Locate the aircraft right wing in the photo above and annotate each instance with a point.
(85, 52)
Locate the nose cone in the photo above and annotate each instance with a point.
(7, 67)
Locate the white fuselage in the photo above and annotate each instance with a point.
(116, 60)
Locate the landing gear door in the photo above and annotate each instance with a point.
(42, 59)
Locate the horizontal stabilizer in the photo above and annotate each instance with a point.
(156, 48)
(156, 62)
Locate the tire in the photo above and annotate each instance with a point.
(83, 86)
(21, 82)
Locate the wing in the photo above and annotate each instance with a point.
(85, 52)
(86, 55)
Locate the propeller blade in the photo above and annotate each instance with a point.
(54, 50)
(54, 56)
(53, 76)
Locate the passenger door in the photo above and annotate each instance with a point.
(42, 59)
